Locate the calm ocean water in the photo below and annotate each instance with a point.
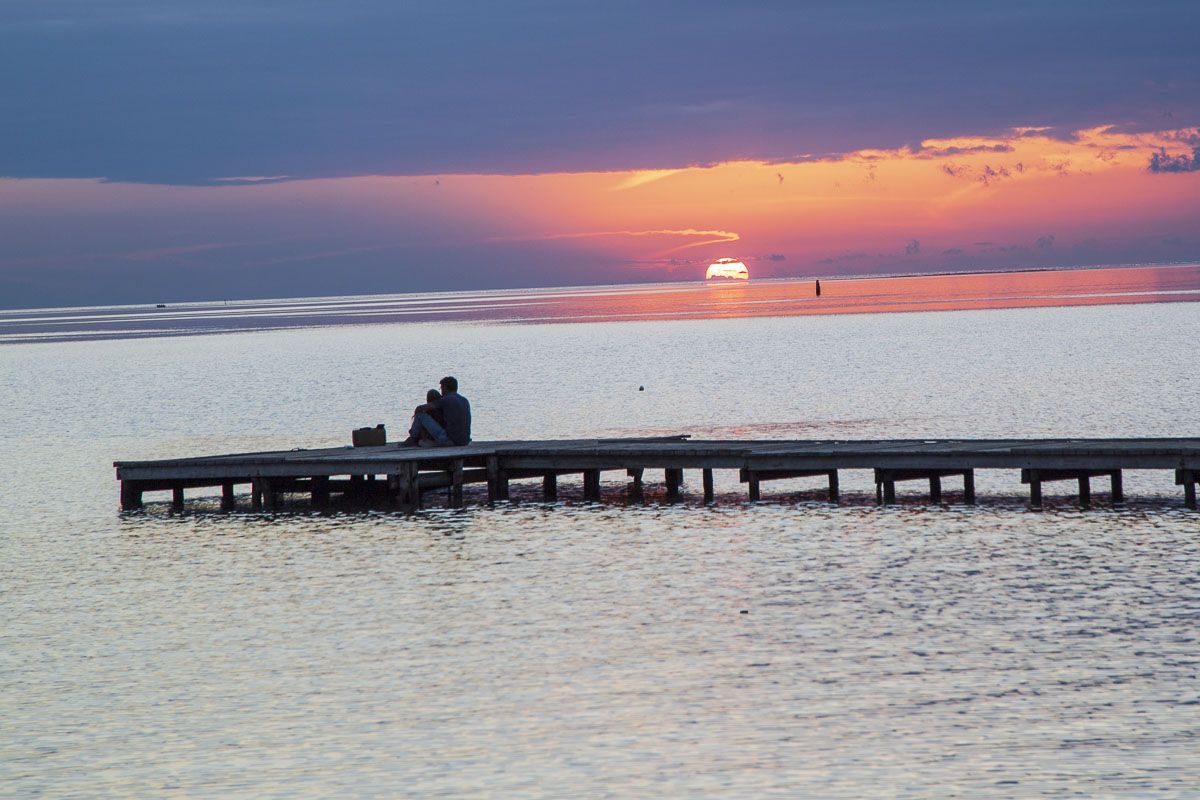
(789, 648)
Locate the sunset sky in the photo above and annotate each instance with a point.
(188, 149)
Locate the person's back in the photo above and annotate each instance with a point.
(442, 421)
(457, 412)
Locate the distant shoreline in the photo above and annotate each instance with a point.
(168, 304)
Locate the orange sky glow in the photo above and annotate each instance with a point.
(1024, 199)
(864, 212)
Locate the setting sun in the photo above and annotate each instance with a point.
(727, 269)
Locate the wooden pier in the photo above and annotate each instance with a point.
(395, 477)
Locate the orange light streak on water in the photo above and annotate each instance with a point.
(673, 301)
(1123, 285)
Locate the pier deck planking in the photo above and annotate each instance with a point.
(398, 476)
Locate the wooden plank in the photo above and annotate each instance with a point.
(444, 479)
(784, 474)
(963, 462)
(1048, 475)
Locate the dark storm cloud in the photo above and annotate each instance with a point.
(196, 90)
(1161, 162)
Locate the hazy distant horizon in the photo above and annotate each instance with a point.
(200, 300)
(677, 300)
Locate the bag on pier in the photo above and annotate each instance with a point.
(369, 437)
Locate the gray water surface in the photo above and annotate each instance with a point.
(785, 648)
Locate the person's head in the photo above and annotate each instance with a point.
(432, 396)
(448, 384)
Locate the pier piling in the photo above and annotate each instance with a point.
(591, 485)
(1188, 477)
(674, 480)
(131, 495)
(228, 501)
(636, 490)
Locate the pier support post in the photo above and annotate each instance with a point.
(1118, 489)
(456, 483)
(320, 491)
(1188, 478)
(256, 494)
(1035, 490)
(591, 485)
(394, 499)
(636, 490)
(131, 495)
(497, 480)
(176, 499)
(752, 485)
(673, 479)
(550, 487)
(707, 476)
(1085, 492)
(270, 496)
(227, 499)
(887, 478)
(834, 490)
(409, 491)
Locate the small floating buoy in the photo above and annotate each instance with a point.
(743, 611)
(641, 388)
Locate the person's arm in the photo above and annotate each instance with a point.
(428, 408)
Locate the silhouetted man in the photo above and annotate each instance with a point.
(454, 408)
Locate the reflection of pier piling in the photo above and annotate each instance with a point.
(390, 476)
